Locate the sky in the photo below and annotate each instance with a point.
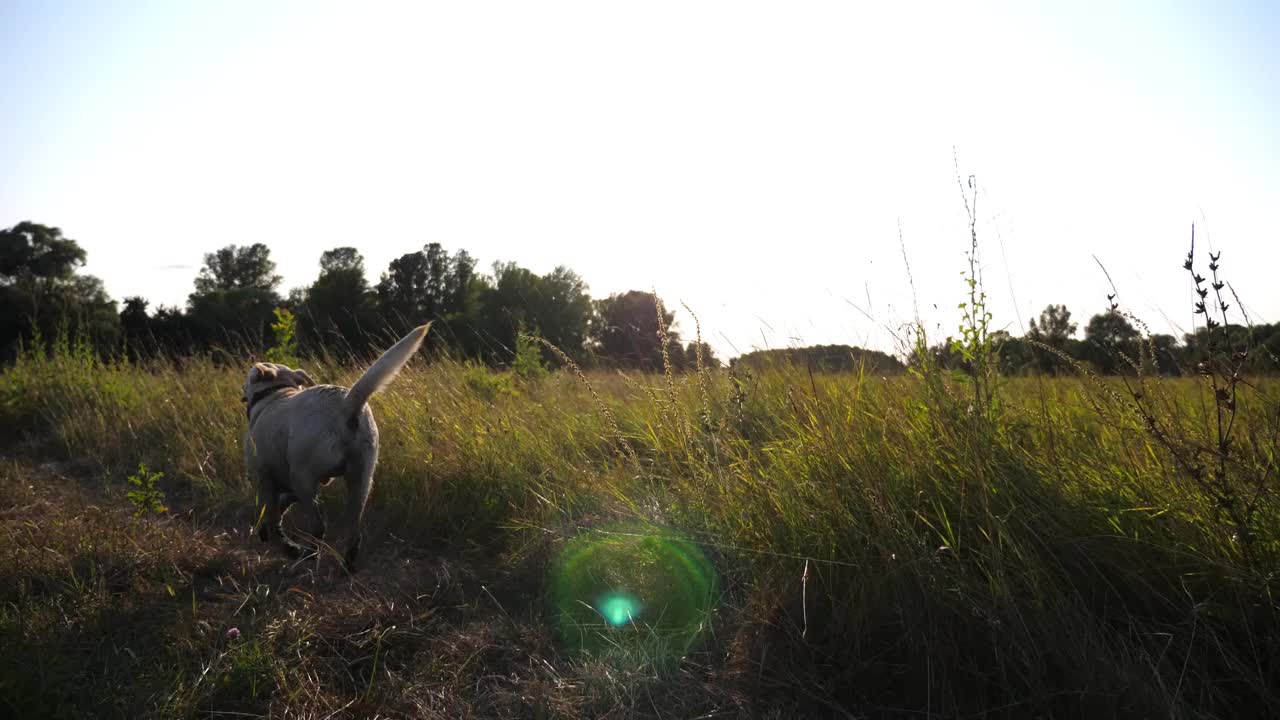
(787, 170)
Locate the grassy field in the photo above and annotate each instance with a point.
(818, 545)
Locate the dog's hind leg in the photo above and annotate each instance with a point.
(292, 549)
(269, 503)
(274, 502)
(359, 478)
(311, 521)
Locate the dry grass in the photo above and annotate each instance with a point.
(110, 615)
(884, 548)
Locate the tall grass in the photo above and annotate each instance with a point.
(889, 542)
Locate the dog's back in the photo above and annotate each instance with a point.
(310, 430)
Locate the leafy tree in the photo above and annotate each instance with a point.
(136, 325)
(174, 332)
(235, 295)
(35, 258)
(433, 284)
(460, 286)
(1108, 337)
(238, 267)
(555, 307)
(168, 330)
(1055, 330)
(709, 359)
(133, 318)
(1015, 355)
(1264, 339)
(625, 330)
(429, 284)
(85, 307)
(402, 292)
(40, 290)
(562, 310)
(339, 306)
(1169, 357)
(1055, 325)
(1266, 342)
(437, 288)
(297, 297)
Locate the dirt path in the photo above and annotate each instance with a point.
(107, 614)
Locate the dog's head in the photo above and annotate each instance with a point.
(265, 378)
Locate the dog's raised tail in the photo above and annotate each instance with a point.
(383, 370)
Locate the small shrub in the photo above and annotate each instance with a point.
(486, 384)
(146, 498)
(285, 331)
(528, 365)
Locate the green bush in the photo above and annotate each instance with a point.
(146, 497)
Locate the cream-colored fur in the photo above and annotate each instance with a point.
(301, 435)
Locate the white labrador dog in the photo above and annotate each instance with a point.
(301, 435)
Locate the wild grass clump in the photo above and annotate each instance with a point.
(927, 542)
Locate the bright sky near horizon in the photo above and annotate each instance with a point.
(753, 160)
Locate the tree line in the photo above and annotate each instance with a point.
(236, 301)
(1112, 344)
(824, 358)
(235, 304)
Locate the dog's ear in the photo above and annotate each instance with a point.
(264, 371)
(303, 379)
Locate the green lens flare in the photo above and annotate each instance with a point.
(619, 608)
(631, 585)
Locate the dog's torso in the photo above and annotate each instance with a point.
(304, 434)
